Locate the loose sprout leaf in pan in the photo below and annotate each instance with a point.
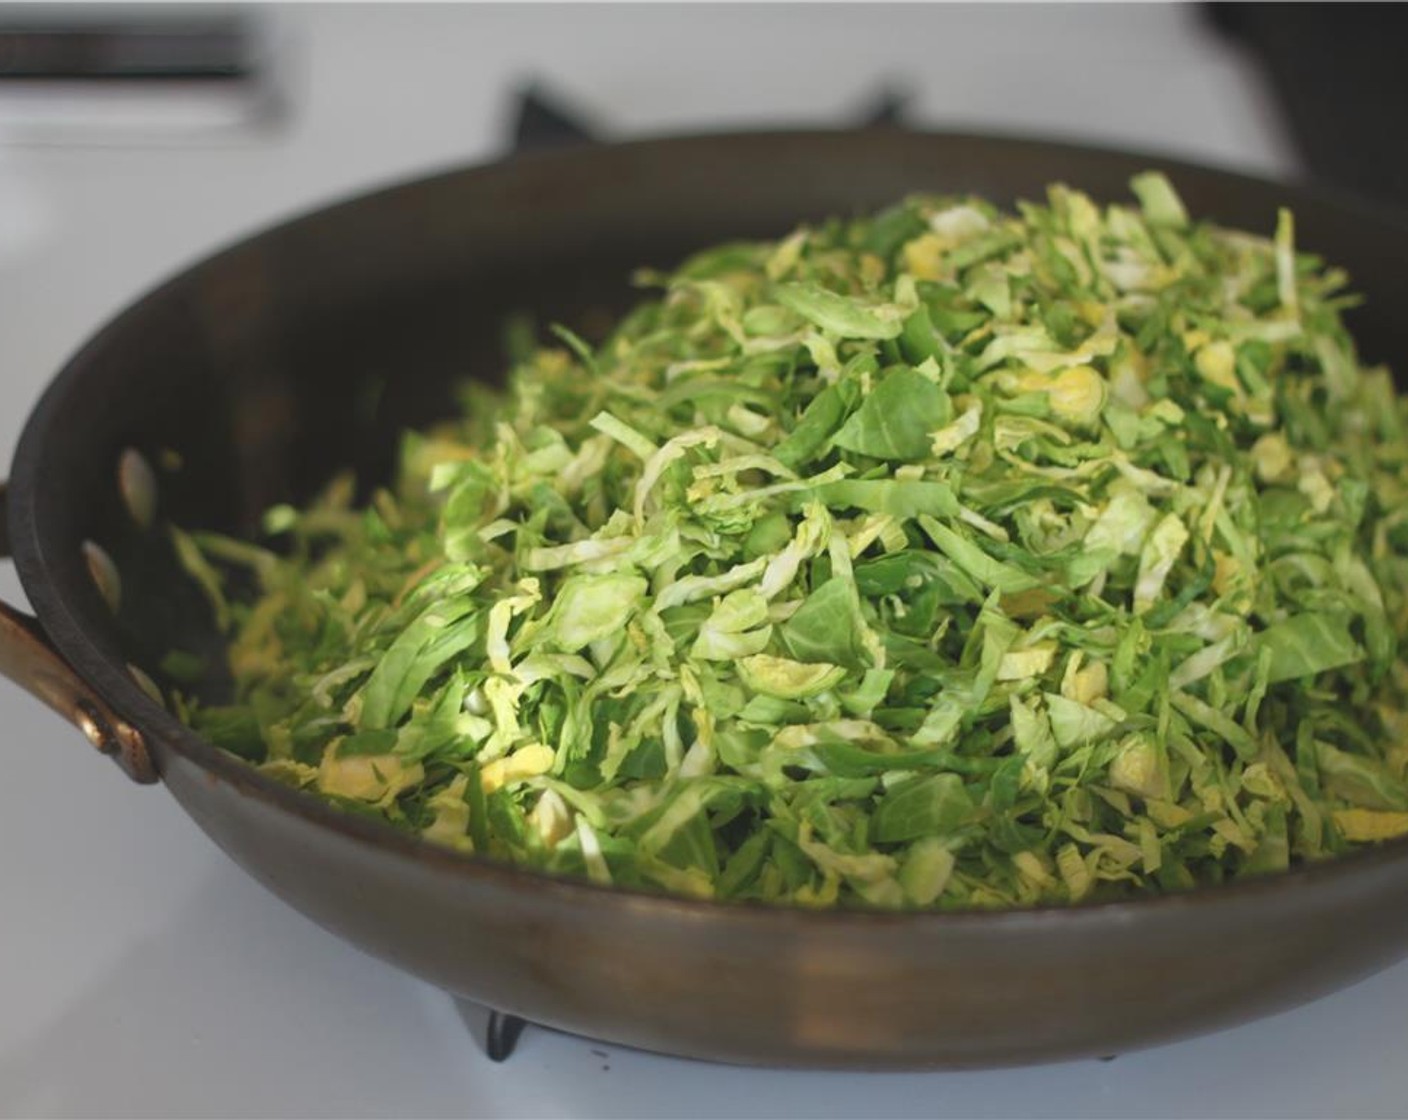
(948, 558)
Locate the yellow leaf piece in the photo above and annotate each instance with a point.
(1074, 871)
(1150, 846)
(872, 269)
(1076, 393)
(1259, 780)
(1232, 832)
(926, 871)
(786, 679)
(552, 818)
(1315, 486)
(1194, 339)
(1225, 569)
(1031, 867)
(1217, 362)
(785, 257)
(1091, 311)
(286, 770)
(365, 777)
(1274, 460)
(1087, 685)
(526, 762)
(1023, 664)
(1030, 603)
(1138, 768)
(451, 811)
(1370, 824)
(924, 256)
(1156, 560)
(952, 436)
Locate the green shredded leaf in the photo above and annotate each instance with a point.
(1306, 645)
(897, 418)
(427, 644)
(936, 807)
(1159, 200)
(844, 316)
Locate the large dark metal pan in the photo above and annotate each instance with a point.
(307, 348)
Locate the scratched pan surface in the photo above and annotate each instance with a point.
(308, 348)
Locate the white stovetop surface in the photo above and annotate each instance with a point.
(141, 973)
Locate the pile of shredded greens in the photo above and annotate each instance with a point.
(942, 558)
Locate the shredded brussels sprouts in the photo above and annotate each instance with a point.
(945, 558)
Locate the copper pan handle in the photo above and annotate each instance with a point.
(28, 659)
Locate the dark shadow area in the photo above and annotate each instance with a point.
(1338, 76)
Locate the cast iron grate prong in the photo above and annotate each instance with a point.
(542, 118)
(890, 107)
(502, 1035)
(497, 1032)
